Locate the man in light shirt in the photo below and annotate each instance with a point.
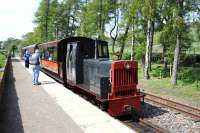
(35, 62)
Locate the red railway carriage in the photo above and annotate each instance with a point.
(49, 56)
(83, 65)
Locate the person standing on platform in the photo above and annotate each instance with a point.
(26, 58)
(35, 62)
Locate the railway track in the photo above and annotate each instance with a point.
(144, 126)
(188, 110)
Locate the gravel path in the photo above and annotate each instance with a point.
(169, 119)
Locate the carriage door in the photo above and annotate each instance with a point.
(71, 62)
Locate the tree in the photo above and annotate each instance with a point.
(181, 10)
(11, 44)
(130, 10)
(115, 27)
(1, 42)
(45, 19)
(149, 11)
(94, 17)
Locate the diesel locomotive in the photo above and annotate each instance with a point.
(83, 65)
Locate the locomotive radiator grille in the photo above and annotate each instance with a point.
(125, 77)
(125, 81)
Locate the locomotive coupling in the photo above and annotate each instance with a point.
(127, 108)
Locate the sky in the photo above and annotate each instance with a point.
(16, 17)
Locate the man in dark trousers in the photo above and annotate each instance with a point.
(26, 58)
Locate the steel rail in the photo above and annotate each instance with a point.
(144, 126)
(188, 110)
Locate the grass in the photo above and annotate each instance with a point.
(2, 60)
(187, 92)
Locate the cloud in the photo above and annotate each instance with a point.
(16, 17)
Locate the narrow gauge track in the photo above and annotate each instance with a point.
(188, 110)
(144, 126)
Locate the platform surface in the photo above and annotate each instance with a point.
(49, 108)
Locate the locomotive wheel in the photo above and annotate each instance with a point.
(102, 107)
(93, 102)
(134, 114)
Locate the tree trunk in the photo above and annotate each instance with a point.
(176, 58)
(100, 19)
(46, 21)
(165, 63)
(151, 43)
(124, 41)
(150, 34)
(133, 41)
(73, 26)
(114, 37)
(164, 59)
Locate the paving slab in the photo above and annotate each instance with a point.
(26, 108)
(49, 108)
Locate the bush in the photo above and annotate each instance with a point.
(189, 75)
(126, 56)
(139, 51)
(2, 60)
(159, 71)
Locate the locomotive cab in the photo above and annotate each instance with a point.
(77, 52)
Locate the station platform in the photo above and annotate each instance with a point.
(49, 108)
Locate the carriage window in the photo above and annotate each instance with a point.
(50, 54)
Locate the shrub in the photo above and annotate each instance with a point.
(126, 56)
(2, 60)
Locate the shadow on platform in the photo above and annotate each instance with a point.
(15, 60)
(10, 116)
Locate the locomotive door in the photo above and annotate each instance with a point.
(71, 62)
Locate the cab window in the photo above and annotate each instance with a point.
(103, 51)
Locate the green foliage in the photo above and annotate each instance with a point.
(31, 38)
(94, 17)
(189, 75)
(11, 44)
(140, 51)
(160, 72)
(58, 19)
(126, 56)
(2, 60)
(52, 17)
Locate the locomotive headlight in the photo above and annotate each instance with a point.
(127, 66)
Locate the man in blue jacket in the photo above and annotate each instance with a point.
(26, 58)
